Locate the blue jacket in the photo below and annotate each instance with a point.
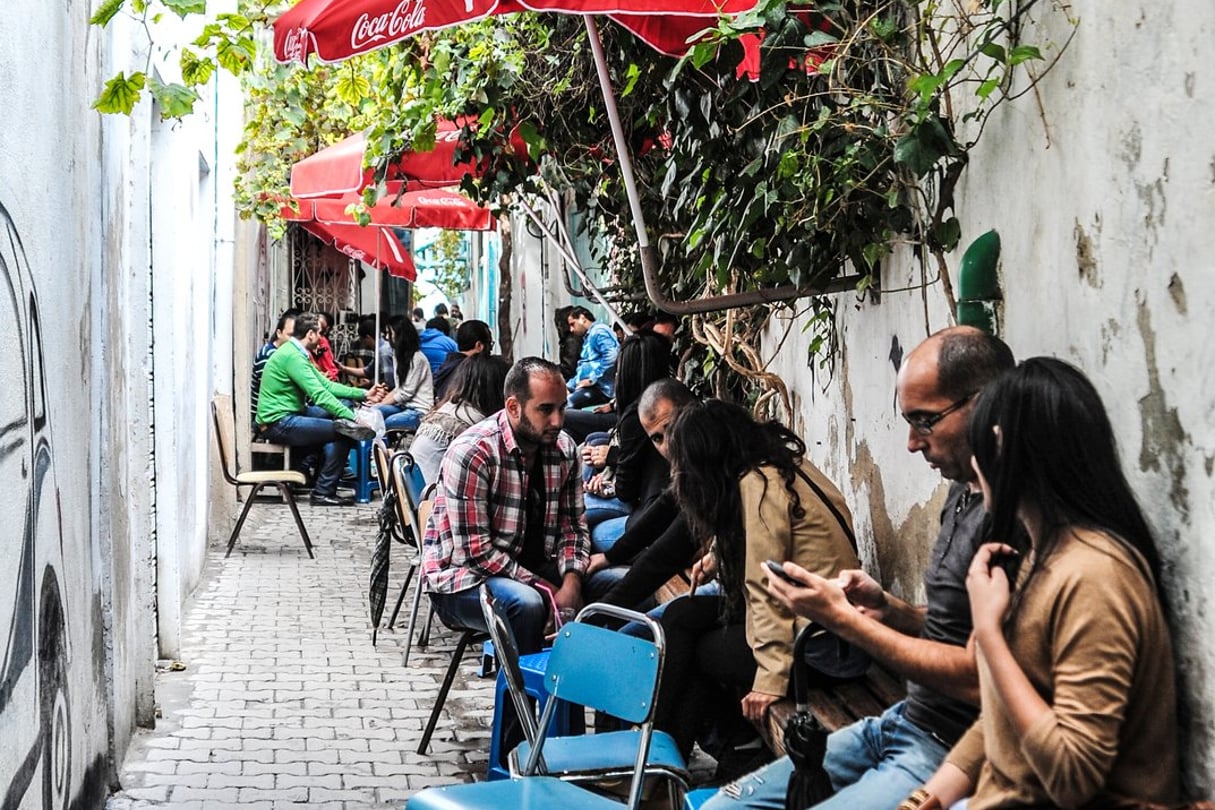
(597, 362)
(436, 345)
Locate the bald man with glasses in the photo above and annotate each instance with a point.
(877, 762)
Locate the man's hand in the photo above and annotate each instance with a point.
(865, 592)
(756, 704)
(570, 593)
(606, 408)
(598, 563)
(703, 570)
(585, 384)
(817, 598)
(597, 486)
(377, 393)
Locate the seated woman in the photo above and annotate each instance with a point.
(632, 472)
(414, 395)
(748, 485)
(475, 392)
(1076, 666)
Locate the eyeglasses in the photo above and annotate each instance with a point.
(923, 422)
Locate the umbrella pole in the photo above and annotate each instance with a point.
(649, 262)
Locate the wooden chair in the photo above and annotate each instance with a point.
(225, 436)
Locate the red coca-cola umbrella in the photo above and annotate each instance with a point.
(428, 208)
(334, 30)
(339, 169)
(374, 244)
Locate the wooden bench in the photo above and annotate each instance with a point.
(838, 706)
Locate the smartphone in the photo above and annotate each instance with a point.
(775, 569)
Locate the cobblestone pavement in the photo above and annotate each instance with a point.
(284, 702)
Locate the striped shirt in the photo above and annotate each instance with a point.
(479, 522)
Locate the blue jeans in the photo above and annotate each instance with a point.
(586, 397)
(312, 429)
(400, 418)
(605, 533)
(873, 764)
(600, 509)
(526, 608)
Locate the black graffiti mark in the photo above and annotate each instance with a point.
(36, 602)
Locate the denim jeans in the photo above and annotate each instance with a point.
(600, 509)
(586, 397)
(396, 418)
(311, 429)
(526, 608)
(874, 764)
(605, 533)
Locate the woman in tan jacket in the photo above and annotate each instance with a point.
(1075, 666)
(747, 489)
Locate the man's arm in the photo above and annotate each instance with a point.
(945, 668)
(319, 389)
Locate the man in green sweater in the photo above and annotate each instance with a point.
(284, 416)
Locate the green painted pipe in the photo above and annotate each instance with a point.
(979, 283)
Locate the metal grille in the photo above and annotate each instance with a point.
(325, 280)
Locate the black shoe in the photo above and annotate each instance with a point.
(330, 500)
(353, 430)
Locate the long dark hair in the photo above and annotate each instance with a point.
(1056, 454)
(645, 357)
(478, 382)
(408, 344)
(712, 445)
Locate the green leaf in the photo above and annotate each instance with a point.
(209, 32)
(120, 94)
(106, 12)
(631, 77)
(183, 8)
(1023, 53)
(948, 233)
(194, 69)
(994, 51)
(985, 89)
(235, 55)
(352, 87)
(176, 100)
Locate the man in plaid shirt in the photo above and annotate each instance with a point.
(508, 511)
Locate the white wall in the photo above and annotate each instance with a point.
(1105, 202)
(118, 251)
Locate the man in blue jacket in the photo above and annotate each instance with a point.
(594, 381)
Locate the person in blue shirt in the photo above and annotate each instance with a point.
(594, 380)
(436, 343)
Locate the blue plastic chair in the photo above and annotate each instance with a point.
(577, 758)
(589, 666)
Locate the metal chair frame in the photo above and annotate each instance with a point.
(225, 437)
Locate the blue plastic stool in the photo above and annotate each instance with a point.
(565, 721)
(360, 463)
(693, 799)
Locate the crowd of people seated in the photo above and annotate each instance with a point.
(1039, 670)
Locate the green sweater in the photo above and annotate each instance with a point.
(291, 380)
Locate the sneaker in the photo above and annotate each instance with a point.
(353, 430)
(330, 500)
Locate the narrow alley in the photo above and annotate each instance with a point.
(283, 701)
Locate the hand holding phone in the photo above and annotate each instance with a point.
(776, 569)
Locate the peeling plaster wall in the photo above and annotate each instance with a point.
(89, 227)
(1104, 199)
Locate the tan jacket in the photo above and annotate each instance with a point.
(816, 542)
(1092, 639)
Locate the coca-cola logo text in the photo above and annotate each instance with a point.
(295, 45)
(369, 31)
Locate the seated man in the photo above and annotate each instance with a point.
(594, 380)
(436, 344)
(472, 337)
(876, 762)
(508, 511)
(374, 353)
(289, 382)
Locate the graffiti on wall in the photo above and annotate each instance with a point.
(35, 704)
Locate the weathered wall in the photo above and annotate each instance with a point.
(1104, 200)
(89, 223)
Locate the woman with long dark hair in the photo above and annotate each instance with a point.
(1076, 666)
(475, 392)
(749, 495)
(414, 395)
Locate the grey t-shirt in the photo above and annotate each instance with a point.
(963, 529)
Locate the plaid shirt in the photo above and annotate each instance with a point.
(477, 527)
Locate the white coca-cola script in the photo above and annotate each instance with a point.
(293, 44)
(368, 31)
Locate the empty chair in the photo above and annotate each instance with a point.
(589, 666)
(225, 436)
(581, 757)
